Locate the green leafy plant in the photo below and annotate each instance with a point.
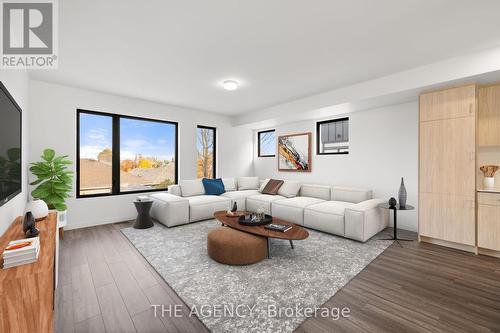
(54, 180)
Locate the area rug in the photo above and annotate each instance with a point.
(248, 298)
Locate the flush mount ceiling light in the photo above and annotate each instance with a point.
(230, 85)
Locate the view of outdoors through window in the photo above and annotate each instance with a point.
(267, 143)
(147, 150)
(96, 137)
(205, 145)
(147, 154)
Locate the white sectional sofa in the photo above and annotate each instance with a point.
(342, 211)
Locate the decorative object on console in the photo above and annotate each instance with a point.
(235, 207)
(38, 208)
(294, 152)
(29, 225)
(392, 203)
(402, 194)
(272, 186)
(489, 175)
(53, 180)
(213, 186)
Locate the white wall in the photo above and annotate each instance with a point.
(383, 148)
(53, 125)
(16, 82)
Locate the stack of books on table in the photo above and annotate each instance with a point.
(21, 251)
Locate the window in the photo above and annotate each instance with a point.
(332, 136)
(122, 154)
(267, 143)
(205, 146)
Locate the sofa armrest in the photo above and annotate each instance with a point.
(169, 209)
(175, 190)
(365, 219)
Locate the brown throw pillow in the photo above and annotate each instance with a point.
(272, 187)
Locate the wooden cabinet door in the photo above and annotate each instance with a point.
(447, 156)
(488, 221)
(447, 165)
(449, 103)
(489, 116)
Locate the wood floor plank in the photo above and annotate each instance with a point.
(146, 322)
(64, 309)
(113, 311)
(133, 297)
(85, 303)
(91, 325)
(101, 274)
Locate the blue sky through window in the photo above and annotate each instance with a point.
(149, 138)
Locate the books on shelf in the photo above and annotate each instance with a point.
(278, 227)
(21, 252)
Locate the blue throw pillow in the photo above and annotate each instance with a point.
(213, 186)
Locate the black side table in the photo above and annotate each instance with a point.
(395, 209)
(143, 220)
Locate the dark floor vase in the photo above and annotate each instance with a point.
(402, 194)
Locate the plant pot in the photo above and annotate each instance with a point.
(489, 182)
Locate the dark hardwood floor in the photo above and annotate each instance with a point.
(105, 285)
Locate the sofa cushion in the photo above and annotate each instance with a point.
(248, 183)
(328, 216)
(351, 194)
(175, 190)
(263, 184)
(315, 191)
(191, 188)
(239, 197)
(169, 209)
(203, 207)
(229, 184)
(292, 209)
(331, 207)
(272, 187)
(263, 201)
(289, 189)
(213, 186)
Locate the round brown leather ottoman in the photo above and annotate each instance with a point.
(233, 247)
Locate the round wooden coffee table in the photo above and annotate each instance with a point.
(296, 233)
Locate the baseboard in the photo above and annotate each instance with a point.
(487, 252)
(457, 246)
(93, 223)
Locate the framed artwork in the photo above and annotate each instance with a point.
(294, 152)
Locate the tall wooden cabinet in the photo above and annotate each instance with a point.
(447, 170)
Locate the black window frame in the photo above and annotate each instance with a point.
(318, 136)
(258, 143)
(115, 173)
(214, 160)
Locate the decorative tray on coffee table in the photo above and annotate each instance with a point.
(236, 214)
(266, 220)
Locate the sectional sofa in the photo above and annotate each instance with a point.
(348, 212)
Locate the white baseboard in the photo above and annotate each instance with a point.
(85, 224)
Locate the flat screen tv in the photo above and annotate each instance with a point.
(10, 146)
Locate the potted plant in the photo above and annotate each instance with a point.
(54, 182)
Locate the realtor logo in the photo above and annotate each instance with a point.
(29, 31)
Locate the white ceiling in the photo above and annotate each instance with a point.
(178, 52)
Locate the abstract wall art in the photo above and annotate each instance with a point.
(294, 152)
